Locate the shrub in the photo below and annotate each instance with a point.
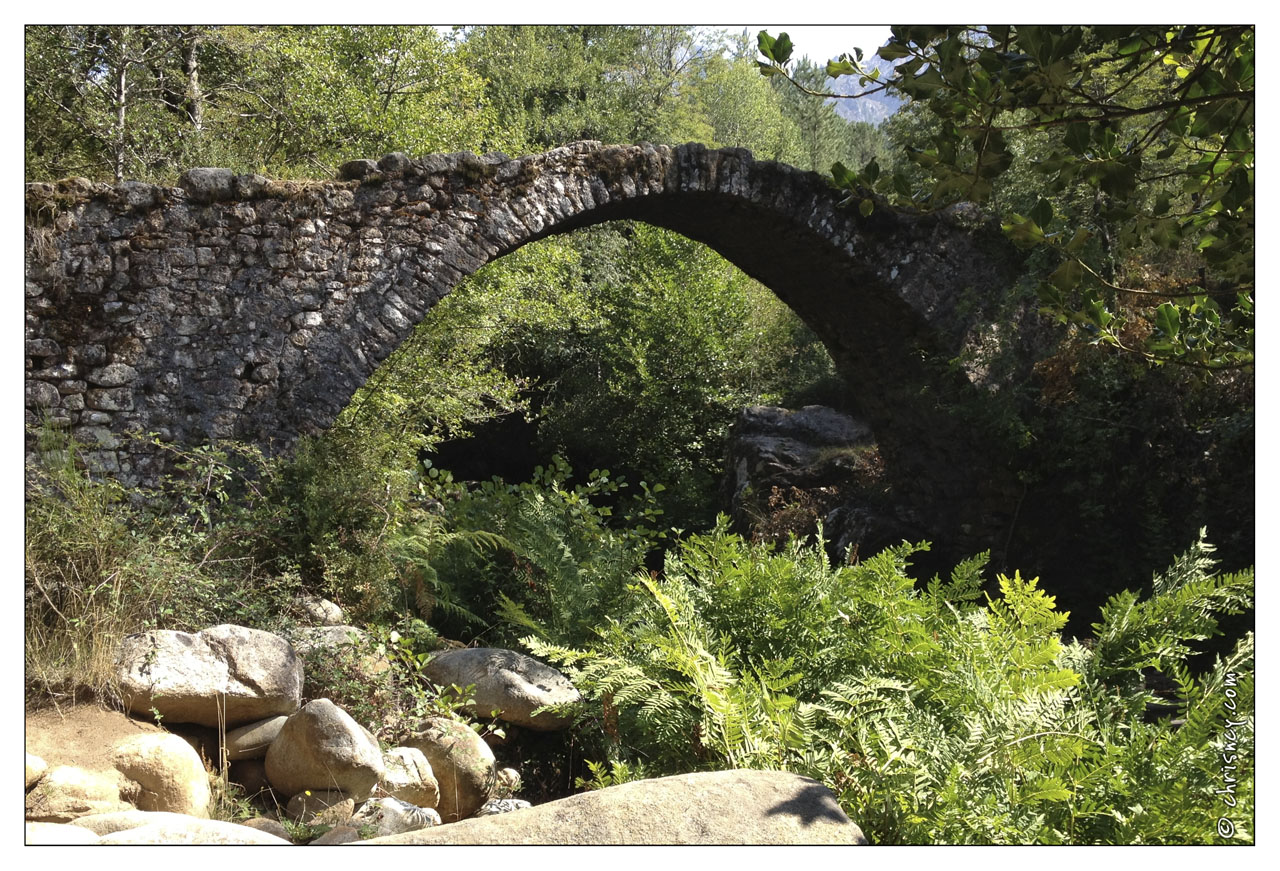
(935, 716)
(356, 677)
(101, 562)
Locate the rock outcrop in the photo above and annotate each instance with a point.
(252, 741)
(105, 824)
(507, 684)
(409, 777)
(326, 807)
(721, 807)
(223, 676)
(67, 792)
(320, 612)
(790, 471)
(35, 769)
(390, 816)
(193, 830)
(58, 833)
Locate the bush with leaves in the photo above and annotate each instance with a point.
(101, 562)
(937, 715)
(1139, 459)
(1154, 123)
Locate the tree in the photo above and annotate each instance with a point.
(821, 129)
(1157, 121)
(740, 110)
(862, 143)
(313, 97)
(148, 102)
(563, 83)
(110, 99)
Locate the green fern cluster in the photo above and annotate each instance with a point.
(417, 548)
(937, 715)
(560, 559)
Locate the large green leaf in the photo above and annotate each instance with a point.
(1023, 231)
(765, 43)
(1067, 276)
(1168, 320)
(782, 48)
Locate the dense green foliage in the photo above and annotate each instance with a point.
(957, 711)
(1129, 140)
(123, 101)
(603, 343)
(936, 717)
(1121, 158)
(1141, 458)
(562, 555)
(936, 713)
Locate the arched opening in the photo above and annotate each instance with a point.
(883, 293)
(622, 346)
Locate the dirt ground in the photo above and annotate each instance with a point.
(82, 735)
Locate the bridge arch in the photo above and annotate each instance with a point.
(237, 307)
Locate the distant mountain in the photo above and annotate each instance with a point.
(873, 108)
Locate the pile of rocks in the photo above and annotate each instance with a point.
(328, 773)
(318, 765)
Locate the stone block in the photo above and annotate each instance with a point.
(208, 184)
(42, 394)
(112, 375)
(355, 170)
(42, 348)
(109, 399)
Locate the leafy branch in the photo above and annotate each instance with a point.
(985, 87)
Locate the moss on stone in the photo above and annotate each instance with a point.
(474, 169)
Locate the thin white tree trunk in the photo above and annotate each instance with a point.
(121, 99)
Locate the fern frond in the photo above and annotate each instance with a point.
(514, 613)
(1183, 606)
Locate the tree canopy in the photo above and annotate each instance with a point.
(1143, 145)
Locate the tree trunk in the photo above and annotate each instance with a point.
(191, 65)
(122, 103)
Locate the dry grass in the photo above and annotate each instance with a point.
(89, 580)
(84, 593)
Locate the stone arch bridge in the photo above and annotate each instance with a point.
(238, 307)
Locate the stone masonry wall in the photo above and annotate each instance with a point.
(239, 307)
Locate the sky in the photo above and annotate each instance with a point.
(819, 42)
(823, 42)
